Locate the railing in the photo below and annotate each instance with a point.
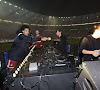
(17, 69)
(7, 41)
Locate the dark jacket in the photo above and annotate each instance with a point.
(20, 47)
(62, 45)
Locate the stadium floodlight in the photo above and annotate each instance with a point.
(5, 2)
(15, 6)
(10, 4)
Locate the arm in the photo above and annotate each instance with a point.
(84, 51)
(94, 53)
(28, 38)
(32, 39)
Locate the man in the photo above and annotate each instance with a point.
(20, 47)
(80, 53)
(38, 44)
(62, 45)
(90, 45)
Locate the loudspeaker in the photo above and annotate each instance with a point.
(48, 82)
(89, 78)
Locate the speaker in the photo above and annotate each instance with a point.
(48, 82)
(89, 78)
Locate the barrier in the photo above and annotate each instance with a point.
(6, 60)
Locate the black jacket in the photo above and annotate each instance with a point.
(62, 45)
(20, 47)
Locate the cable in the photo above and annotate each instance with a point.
(42, 73)
(36, 84)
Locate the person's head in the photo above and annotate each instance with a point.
(97, 26)
(25, 29)
(96, 32)
(58, 33)
(37, 32)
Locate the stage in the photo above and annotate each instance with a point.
(46, 69)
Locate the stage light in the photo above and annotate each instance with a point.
(14, 75)
(21, 65)
(24, 61)
(16, 72)
(18, 69)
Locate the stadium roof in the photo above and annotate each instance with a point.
(59, 7)
(45, 13)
